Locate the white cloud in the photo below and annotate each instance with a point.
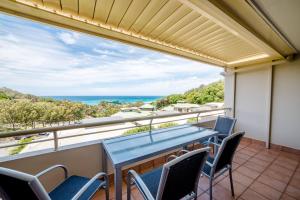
(44, 65)
(68, 38)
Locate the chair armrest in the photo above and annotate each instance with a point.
(133, 176)
(182, 151)
(171, 157)
(52, 168)
(90, 182)
(208, 163)
(215, 144)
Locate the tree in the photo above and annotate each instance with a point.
(8, 113)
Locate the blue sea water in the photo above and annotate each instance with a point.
(94, 100)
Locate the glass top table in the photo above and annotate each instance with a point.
(129, 149)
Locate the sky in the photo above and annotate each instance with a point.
(48, 61)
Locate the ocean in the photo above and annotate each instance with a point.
(94, 100)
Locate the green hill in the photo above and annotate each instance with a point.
(213, 92)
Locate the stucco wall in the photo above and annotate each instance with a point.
(286, 105)
(255, 99)
(229, 94)
(252, 102)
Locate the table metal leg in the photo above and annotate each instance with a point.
(118, 183)
(215, 146)
(104, 161)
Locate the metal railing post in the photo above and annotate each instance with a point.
(55, 138)
(198, 117)
(150, 124)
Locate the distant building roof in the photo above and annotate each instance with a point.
(186, 105)
(215, 104)
(99, 119)
(149, 106)
(131, 114)
(135, 109)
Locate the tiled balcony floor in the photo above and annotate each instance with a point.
(259, 174)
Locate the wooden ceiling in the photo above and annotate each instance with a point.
(190, 28)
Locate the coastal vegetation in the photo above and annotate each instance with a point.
(20, 111)
(168, 125)
(147, 128)
(137, 130)
(213, 92)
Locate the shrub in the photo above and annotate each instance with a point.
(137, 130)
(192, 120)
(22, 143)
(167, 125)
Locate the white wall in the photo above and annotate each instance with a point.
(286, 105)
(229, 94)
(252, 103)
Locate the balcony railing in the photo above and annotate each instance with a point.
(138, 121)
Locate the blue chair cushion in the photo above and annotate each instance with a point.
(151, 180)
(67, 189)
(206, 167)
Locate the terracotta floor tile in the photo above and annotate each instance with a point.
(203, 183)
(288, 165)
(295, 183)
(252, 148)
(247, 152)
(281, 170)
(239, 160)
(287, 197)
(245, 180)
(260, 162)
(265, 157)
(296, 175)
(221, 193)
(254, 166)
(276, 175)
(238, 188)
(292, 191)
(242, 155)
(252, 195)
(199, 191)
(136, 194)
(290, 155)
(265, 190)
(203, 196)
(274, 183)
(248, 172)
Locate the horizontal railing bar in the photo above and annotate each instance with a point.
(97, 132)
(123, 128)
(32, 142)
(110, 122)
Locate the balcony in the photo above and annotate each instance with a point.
(256, 42)
(258, 174)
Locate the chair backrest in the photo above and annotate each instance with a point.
(19, 185)
(224, 125)
(226, 151)
(180, 176)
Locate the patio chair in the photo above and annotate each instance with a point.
(224, 126)
(15, 185)
(175, 180)
(222, 162)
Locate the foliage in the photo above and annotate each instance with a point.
(168, 124)
(22, 143)
(171, 99)
(137, 130)
(213, 92)
(3, 95)
(192, 120)
(24, 113)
